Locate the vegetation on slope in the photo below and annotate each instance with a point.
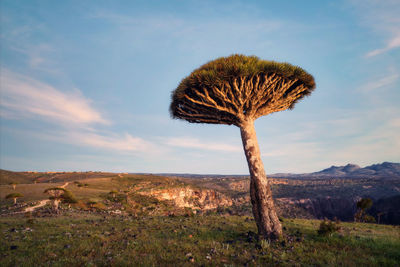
(90, 239)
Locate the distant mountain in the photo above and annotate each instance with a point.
(382, 170)
(385, 169)
(338, 171)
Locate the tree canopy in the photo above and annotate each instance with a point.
(364, 203)
(55, 192)
(54, 189)
(14, 195)
(232, 89)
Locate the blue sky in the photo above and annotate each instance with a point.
(85, 85)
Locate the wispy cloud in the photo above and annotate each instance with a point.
(18, 39)
(190, 33)
(383, 18)
(22, 96)
(300, 150)
(382, 144)
(194, 143)
(111, 142)
(37, 55)
(382, 82)
(392, 43)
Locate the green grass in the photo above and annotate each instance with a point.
(31, 192)
(83, 239)
(96, 187)
(91, 238)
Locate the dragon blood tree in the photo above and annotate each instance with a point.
(56, 194)
(237, 90)
(14, 196)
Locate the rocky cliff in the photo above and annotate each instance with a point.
(188, 197)
(319, 208)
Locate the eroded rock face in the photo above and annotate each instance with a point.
(320, 208)
(244, 185)
(187, 197)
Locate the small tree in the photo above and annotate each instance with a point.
(113, 193)
(14, 196)
(237, 90)
(362, 206)
(327, 227)
(56, 194)
(14, 184)
(91, 203)
(68, 197)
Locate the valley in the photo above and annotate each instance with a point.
(313, 196)
(202, 220)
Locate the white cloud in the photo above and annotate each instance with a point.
(125, 142)
(190, 33)
(393, 43)
(383, 18)
(38, 54)
(382, 82)
(194, 143)
(298, 150)
(22, 96)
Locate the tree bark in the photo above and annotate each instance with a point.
(260, 191)
(56, 203)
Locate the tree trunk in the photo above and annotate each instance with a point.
(15, 200)
(56, 203)
(260, 191)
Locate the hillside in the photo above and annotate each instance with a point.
(295, 197)
(7, 177)
(318, 198)
(133, 194)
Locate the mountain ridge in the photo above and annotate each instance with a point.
(380, 170)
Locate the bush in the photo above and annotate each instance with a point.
(364, 204)
(369, 219)
(68, 197)
(361, 215)
(328, 227)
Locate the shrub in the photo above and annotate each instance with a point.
(328, 227)
(91, 203)
(361, 215)
(364, 204)
(68, 197)
(369, 219)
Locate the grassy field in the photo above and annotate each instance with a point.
(31, 192)
(90, 239)
(94, 189)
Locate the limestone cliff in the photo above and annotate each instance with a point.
(188, 197)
